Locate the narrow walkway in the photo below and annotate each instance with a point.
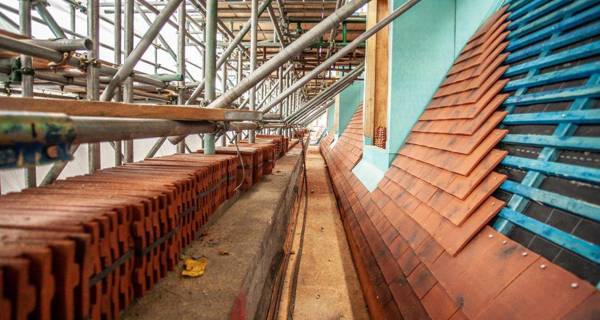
(327, 286)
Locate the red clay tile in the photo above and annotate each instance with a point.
(429, 251)
(481, 270)
(543, 291)
(458, 211)
(588, 309)
(398, 247)
(451, 161)
(464, 144)
(408, 262)
(407, 302)
(438, 304)
(421, 280)
(454, 238)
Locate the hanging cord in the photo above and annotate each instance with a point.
(235, 141)
(296, 270)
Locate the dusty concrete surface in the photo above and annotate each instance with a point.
(327, 286)
(240, 246)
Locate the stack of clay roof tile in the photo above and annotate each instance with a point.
(85, 247)
(420, 240)
(279, 141)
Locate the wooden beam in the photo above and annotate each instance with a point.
(125, 110)
(376, 73)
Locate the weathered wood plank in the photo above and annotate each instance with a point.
(125, 110)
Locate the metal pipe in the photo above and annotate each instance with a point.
(276, 26)
(64, 45)
(224, 79)
(118, 145)
(156, 147)
(239, 126)
(280, 87)
(57, 168)
(94, 130)
(266, 96)
(164, 43)
(128, 85)
(132, 59)
(201, 6)
(349, 77)
(181, 20)
(344, 51)
(162, 40)
(253, 53)
(312, 114)
(74, 34)
(333, 33)
(210, 72)
(27, 74)
(239, 66)
(93, 76)
(171, 23)
(40, 7)
(73, 19)
(227, 52)
(287, 53)
(29, 48)
(9, 23)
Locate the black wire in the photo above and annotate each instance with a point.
(296, 270)
(241, 161)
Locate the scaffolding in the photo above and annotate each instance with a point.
(278, 63)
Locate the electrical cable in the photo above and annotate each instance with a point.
(241, 161)
(296, 270)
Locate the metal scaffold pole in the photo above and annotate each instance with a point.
(181, 20)
(134, 57)
(27, 74)
(128, 85)
(93, 77)
(117, 54)
(342, 52)
(210, 71)
(253, 45)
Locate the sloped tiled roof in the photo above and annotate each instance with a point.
(420, 240)
(443, 179)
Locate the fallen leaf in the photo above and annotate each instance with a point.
(194, 267)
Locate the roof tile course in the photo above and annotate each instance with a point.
(421, 236)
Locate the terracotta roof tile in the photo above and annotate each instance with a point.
(456, 210)
(408, 262)
(459, 115)
(438, 304)
(470, 96)
(423, 232)
(421, 280)
(453, 238)
(482, 52)
(429, 251)
(451, 161)
(474, 81)
(588, 309)
(457, 143)
(477, 70)
(545, 298)
(482, 270)
(475, 40)
(458, 185)
(404, 296)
